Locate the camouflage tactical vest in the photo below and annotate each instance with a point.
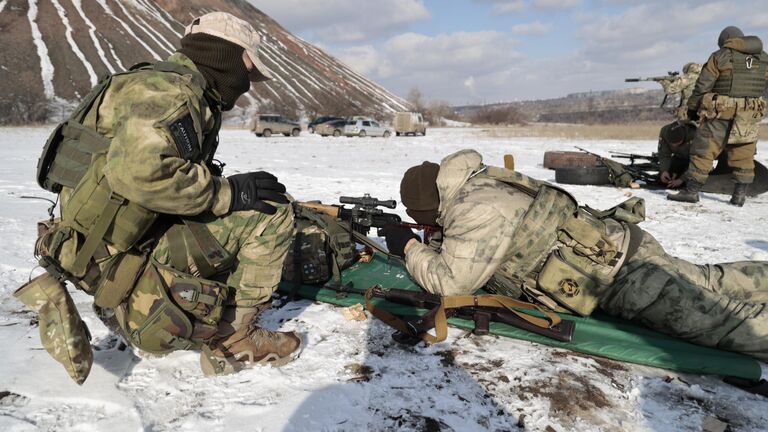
(74, 157)
(565, 253)
(747, 78)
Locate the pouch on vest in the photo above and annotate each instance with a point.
(570, 285)
(630, 211)
(62, 331)
(746, 123)
(101, 215)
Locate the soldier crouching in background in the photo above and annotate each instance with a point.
(674, 151)
(728, 102)
(518, 236)
(176, 256)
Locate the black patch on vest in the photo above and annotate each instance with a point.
(183, 133)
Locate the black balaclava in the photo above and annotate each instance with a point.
(419, 194)
(729, 32)
(221, 63)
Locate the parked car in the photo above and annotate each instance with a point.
(333, 127)
(312, 126)
(410, 123)
(365, 127)
(267, 124)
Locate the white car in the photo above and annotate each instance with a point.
(365, 127)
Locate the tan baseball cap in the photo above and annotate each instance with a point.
(237, 31)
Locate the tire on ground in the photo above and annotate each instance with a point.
(569, 159)
(583, 176)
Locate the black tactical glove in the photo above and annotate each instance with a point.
(397, 237)
(693, 115)
(251, 190)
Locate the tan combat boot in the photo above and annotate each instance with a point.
(241, 344)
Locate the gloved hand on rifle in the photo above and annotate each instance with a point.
(397, 238)
(693, 115)
(250, 191)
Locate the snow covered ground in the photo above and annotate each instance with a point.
(351, 376)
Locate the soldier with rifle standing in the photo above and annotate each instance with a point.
(676, 83)
(727, 101)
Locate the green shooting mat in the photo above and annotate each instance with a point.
(597, 335)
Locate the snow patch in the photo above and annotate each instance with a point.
(2, 4)
(46, 67)
(92, 32)
(68, 34)
(106, 8)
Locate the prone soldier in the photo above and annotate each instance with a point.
(520, 236)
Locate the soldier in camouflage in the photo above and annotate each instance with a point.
(217, 246)
(514, 234)
(674, 151)
(683, 85)
(728, 102)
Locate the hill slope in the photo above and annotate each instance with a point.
(54, 51)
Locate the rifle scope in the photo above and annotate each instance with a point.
(368, 201)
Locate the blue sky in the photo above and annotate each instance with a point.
(484, 51)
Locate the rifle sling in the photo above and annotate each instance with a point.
(482, 309)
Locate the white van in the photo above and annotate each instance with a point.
(410, 123)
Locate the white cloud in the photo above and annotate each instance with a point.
(458, 66)
(532, 28)
(333, 21)
(505, 7)
(556, 4)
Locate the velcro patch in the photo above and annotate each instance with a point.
(183, 133)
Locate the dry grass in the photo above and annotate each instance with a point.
(648, 130)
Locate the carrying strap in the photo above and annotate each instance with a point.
(438, 314)
(96, 234)
(194, 239)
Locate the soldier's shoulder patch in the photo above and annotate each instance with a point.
(182, 130)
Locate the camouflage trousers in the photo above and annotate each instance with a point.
(257, 241)
(717, 305)
(711, 140)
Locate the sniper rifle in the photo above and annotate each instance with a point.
(670, 76)
(366, 214)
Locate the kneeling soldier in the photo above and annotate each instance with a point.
(519, 236)
(176, 256)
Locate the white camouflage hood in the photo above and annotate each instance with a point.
(455, 170)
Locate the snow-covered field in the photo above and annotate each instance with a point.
(351, 376)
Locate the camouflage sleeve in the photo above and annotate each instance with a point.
(144, 164)
(474, 246)
(709, 74)
(679, 84)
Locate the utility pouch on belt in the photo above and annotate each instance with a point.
(62, 331)
(118, 278)
(169, 310)
(746, 123)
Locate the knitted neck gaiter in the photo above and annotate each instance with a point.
(221, 63)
